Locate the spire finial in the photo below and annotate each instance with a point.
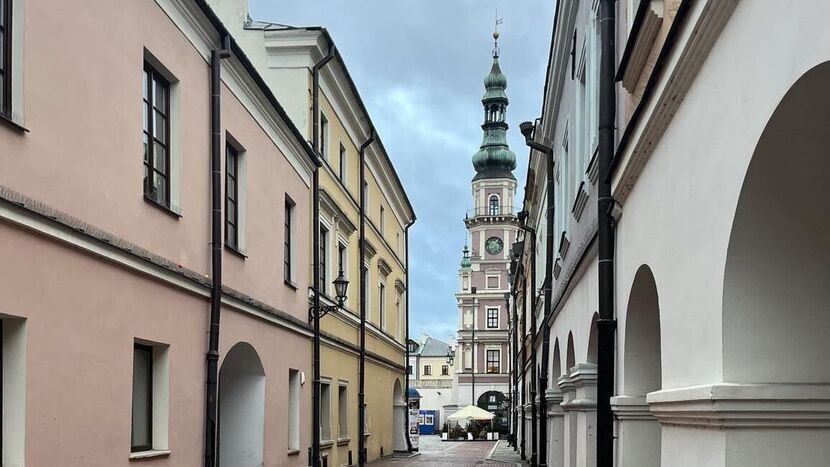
(496, 35)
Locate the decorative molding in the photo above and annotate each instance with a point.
(692, 46)
(328, 205)
(557, 268)
(580, 201)
(631, 408)
(564, 244)
(593, 167)
(638, 48)
(384, 267)
(728, 405)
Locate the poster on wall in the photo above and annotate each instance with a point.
(413, 428)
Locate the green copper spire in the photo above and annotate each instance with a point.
(494, 159)
(465, 260)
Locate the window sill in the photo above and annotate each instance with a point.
(326, 444)
(344, 441)
(5, 120)
(236, 251)
(162, 207)
(294, 452)
(291, 284)
(134, 456)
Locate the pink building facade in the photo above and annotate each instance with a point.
(105, 243)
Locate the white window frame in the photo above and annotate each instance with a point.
(382, 305)
(324, 136)
(342, 410)
(487, 318)
(160, 424)
(325, 410)
(290, 217)
(294, 383)
(14, 342)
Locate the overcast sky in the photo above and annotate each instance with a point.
(419, 66)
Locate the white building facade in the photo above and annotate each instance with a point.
(722, 235)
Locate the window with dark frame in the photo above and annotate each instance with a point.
(5, 57)
(142, 408)
(324, 133)
(382, 221)
(445, 370)
(288, 251)
(343, 160)
(341, 259)
(231, 197)
(492, 318)
(409, 369)
(156, 136)
(494, 205)
(427, 370)
(382, 304)
(324, 240)
(492, 361)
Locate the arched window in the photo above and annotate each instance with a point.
(494, 205)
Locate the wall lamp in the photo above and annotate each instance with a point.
(341, 286)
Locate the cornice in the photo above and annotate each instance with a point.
(682, 58)
(631, 408)
(725, 405)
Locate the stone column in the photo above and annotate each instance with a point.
(638, 432)
(581, 407)
(744, 425)
(568, 392)
(556, 428)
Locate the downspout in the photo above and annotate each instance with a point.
(406, 340)
(533, 442)
(524, 377)
(606, 324)
(361, 374)
(528, 131)
(543, 379)
(212, 356)
(315, 225)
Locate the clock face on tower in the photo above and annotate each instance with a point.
(494, 245)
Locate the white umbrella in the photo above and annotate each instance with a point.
(471, 412)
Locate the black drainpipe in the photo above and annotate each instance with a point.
(315, 282)
(606, 324)
(406, 340)
(524, 377)
(212, 356)
(361, 373)
(543, 378)
(528, 130)
(532, 233)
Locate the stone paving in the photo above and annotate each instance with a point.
(434, 452)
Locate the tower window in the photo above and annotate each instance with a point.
(494, 205)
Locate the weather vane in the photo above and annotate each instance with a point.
(496, 35)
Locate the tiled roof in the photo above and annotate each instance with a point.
(434, 348)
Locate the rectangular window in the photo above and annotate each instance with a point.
(343, 411)
(293, 410)
(492, 361)
(409, 369)
(156, 137)
(142, 415)
(427, 370)
(231, 197)
(382, 220)
(288, 250)
(365, 291)
(343, 161)
(5, 58)
(492, 318)
(325, 410)
(324, 250)
(382, 304)
(445, 370)
(324, 135)
(341, 259)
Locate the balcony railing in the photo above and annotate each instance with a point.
(431, 383)
(482, 211)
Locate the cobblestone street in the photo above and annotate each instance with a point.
(433, 452)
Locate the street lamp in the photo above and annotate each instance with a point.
(341, 286)
(450, 357)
